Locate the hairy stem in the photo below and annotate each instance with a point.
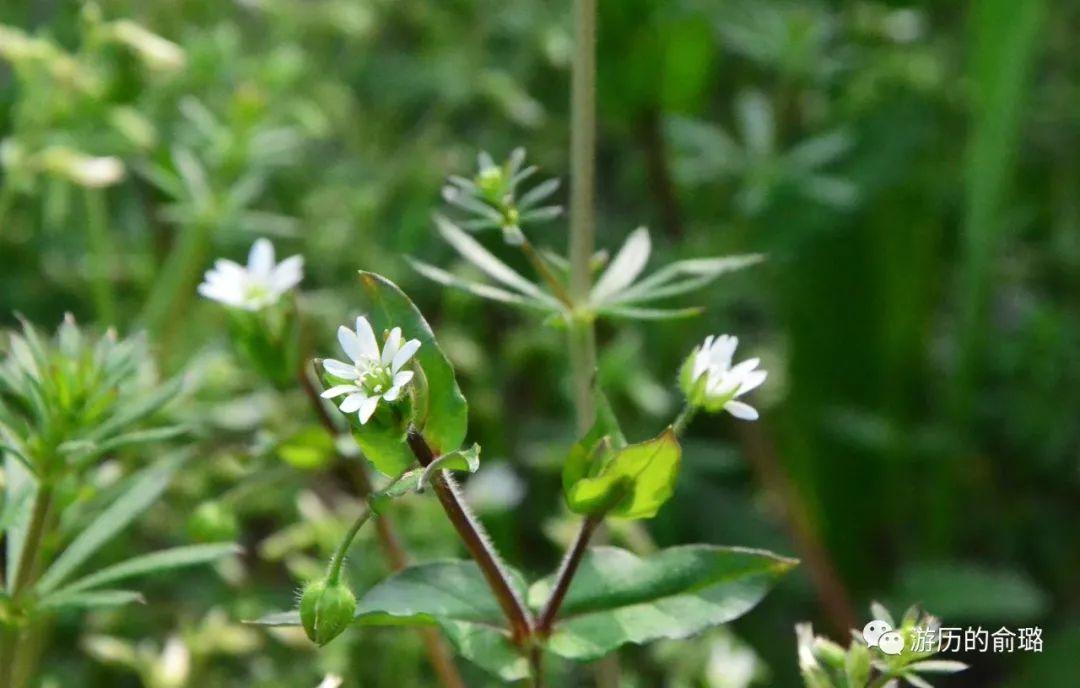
(566, 573)
(683, 419)
(438, 653)
(476, 541)
(343, 548)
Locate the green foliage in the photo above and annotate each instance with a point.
(619, 598)
(825, 664)
(440, 411)
(630, 482)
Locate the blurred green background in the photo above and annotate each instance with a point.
(911, 171)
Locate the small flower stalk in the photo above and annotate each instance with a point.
(710, 381)
(371, 375)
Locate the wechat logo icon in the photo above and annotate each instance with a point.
(880, 634)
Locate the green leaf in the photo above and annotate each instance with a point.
(445, 418)
(857, 664)
(454, 595)
(632, 482)
(450, 594)
(18, 479)
(95, 598)
(143, 491)
(486, 291)
(618, 597)
(141, 408)
(587, 452)
(177, 557)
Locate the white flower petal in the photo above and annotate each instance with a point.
(339, 369)
(261, 258)
(287, 274)
(350, 344)
(752, 381)
(338, 390)
(741, 410)
(625, 267)
(391, 346)
(367, 409)
(740, 371)
(353, 402)
(403, 378)
(405, 354)
(393, 393)
(369, 347)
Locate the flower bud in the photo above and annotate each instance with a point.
(326, 609)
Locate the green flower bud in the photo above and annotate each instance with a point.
(326, 609)
(491, 182)
(213, 522)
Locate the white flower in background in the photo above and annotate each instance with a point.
(716, 384)
(90, 171)
(372, 375)
(258, 285)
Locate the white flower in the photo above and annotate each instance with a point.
(374, 376)
(719, 382)
(258, 285)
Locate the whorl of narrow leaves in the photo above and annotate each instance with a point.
(66, 401)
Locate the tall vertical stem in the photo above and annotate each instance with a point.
(582, 340)
(102, 255)
(35, 533)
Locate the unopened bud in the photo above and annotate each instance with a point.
(326, 609)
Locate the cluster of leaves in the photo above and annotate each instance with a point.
(825, 664)
(66, 402)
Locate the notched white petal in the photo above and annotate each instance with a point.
(339, 369)
(369, 347)
(367, 409)
(353, 402)
(410, 347)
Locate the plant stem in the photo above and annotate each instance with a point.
(437, 651)
(176, 281)
(540, 265)
(566, 573)
(683, 419)
(582, 338)
(476, 541)
(339, 556)
(35, 533)
(101, 255)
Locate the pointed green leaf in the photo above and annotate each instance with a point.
(637, 479)
(143, 491)
(91, 599)
(445, 418)
(177, 557)
(618, 597)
